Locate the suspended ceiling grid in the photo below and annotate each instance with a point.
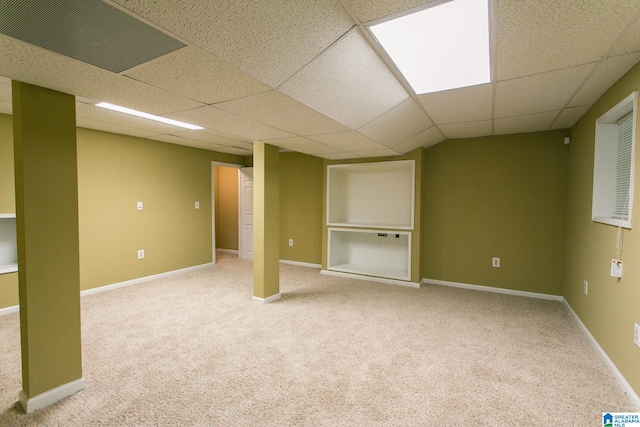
(306, 76)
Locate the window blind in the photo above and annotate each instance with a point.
(623, 165)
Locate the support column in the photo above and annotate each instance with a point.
(44, 129)
(266, 222)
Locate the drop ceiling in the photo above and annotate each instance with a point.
(307, 76)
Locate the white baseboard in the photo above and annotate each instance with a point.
(301, 264)
(635, 399)
(267, 300)
(492, 289)
(8, 310)
(30, 404)
(371, 278)
(228, 251)
(143, 279)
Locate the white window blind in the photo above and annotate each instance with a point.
(623, 165)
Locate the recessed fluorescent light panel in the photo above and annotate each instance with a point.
(148, 116)
(440, 48)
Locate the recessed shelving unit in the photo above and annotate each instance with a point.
(379, 195)
(370, 218)
(8, 246)
(378, 253)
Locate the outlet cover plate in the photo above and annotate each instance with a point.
(141, 254)
(495, 262)
(616, 268)
(636, 334)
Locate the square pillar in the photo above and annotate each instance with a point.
(266, 222)
(44, 129)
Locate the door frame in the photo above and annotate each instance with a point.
(213, 203)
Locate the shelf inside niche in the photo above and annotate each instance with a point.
(8, 245)
(379, 253)
(371, 195)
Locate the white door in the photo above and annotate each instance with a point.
(245, 224)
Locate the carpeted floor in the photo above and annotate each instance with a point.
(194, 350)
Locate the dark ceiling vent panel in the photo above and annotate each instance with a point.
(88, 30)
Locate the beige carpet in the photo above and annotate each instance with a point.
(194, 350)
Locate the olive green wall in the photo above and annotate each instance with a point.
(301, 207)
(8, 281)
(7, 183)
(226, 193)
(612, 305)
(117, 171)
(501, 196)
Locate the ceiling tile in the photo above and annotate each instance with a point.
(88, 111)
(367, 10)
(543, 35)
(539, 93)
(378, 153)
(173, 139)
(88, 123)
(458, 105)
(217, 119)
(569, 116)
(425, 139)
(302, 145)
(41, 67)
(629, 42)
(467, 129)
(342, 155)
(196, 74)
(607, 72)
(522, 124)
(283, 112)
(269, 40)
(348, 141)
(397, 124)
(351, 91)
(233, 150)
(210, 138)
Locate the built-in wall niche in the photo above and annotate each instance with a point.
(379, 253)
(8, 247)
(378, 194)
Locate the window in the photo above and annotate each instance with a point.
(613, 164)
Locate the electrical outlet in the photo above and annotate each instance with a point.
(586, 287)
(290, 242)
(197, 205)
(140, 253)
(139, 206)
(636, 334)
(495, 262)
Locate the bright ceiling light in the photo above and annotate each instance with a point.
(442, 47)
(148, 116)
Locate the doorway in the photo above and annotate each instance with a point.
(232, 210)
